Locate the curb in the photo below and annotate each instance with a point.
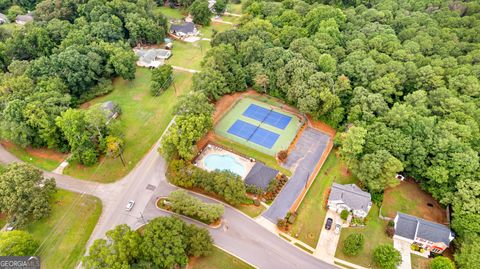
(189, 218)
(243, 260)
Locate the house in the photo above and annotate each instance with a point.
(111, 109)
(349, 197)
(425, 234)
(260, 175)
(3, 18)
(24, 19)
(152, 58)
(184, 30)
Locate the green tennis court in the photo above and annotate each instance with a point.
(261, 126)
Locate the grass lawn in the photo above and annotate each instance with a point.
(231, 19)
(247, 151)
(311, 212)
(375, 235)
(143, 120)
(43, 158)
(419, 262)
(409, 198)
(219, 259)
(251, 210)
(66, 231)
(188, 55)
(171, 13)
(207, 32)
(234, 8)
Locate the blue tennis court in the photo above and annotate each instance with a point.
(267, 116)
(253, 133)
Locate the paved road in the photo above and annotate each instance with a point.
(303, 159)
(244, 237)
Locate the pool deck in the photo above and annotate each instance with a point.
(212, 149)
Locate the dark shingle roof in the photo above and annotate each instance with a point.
(260, 175)
(351, 195)
(187, 27)
(410, 227)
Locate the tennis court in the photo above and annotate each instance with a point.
(268, 116)
(253, 133)
(261, 126)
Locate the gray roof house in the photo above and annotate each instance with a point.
(183, 30)
(431, 236)
(23, 19)
(260, 175)
(3, 18)
(349, 197)
(111, 109)
(152, 57)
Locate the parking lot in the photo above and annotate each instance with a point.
(327, 243)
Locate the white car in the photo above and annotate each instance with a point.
(130, 205)
(337, 228)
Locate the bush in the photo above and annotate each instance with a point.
(386, 257)
(253, 189)
(377, 198)
(441, 263)
(344, 214)
(256, 202)
(282, 224)
(282, 155)
(353, 244)
(183, 203)
(291, 218)
(162, 78)
(390, 231)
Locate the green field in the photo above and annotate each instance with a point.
(286, 136)
(312, 211)
(143, 120)
(64, 233)
(234, 8)
(207, 31)
(188, 55)
(219, 259)
(375, 235)
(171, 13)
(43, 163)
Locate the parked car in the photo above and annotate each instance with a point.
(329, 223)
(130, 205)
(337, 228)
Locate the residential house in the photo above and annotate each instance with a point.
(3, 18)
(260, 175)
(349, 197)
(152, 58)
(425, 234)
(24, 19)
(186, 29)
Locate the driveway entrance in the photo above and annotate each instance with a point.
(327, 243)
(404, 249)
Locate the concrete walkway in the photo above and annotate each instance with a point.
(328, 240)
(404, 249)
(179, 68)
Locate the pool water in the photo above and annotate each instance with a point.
(224, 162)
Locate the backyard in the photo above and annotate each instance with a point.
(143, 120)
(408, 198)
(63, 235)
(188, 55)
(374, 233)
(219, 259)
(311, 213)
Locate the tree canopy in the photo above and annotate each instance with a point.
(17, 243)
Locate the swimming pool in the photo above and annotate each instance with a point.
(223, 162)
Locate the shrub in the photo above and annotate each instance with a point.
(353, 244)
(282, 224)
(377, 198)
(390, 231)
(256, 202)
(386, 257)
(253, 189)
(161, 79)
(291, 218)
(344, 214)
(282, 155)
(183, 203)
(441, 263)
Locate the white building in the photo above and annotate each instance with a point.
(351, 198)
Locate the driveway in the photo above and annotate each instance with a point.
(404, 248)
(327, 243)
(303, 159)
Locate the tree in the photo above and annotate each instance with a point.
(201, 12)
(469, 255)
(24, 193)
(114, 147)
(200, 243)
(386, 257)
(220, 6)
(119, 251)
(440, 262)
(17, 243)
(162, 78)
(377, 170)
(190, 206)
(344, 214)
(193, 103)
(353, 244)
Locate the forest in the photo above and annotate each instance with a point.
(66, 57)
(399, 79)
